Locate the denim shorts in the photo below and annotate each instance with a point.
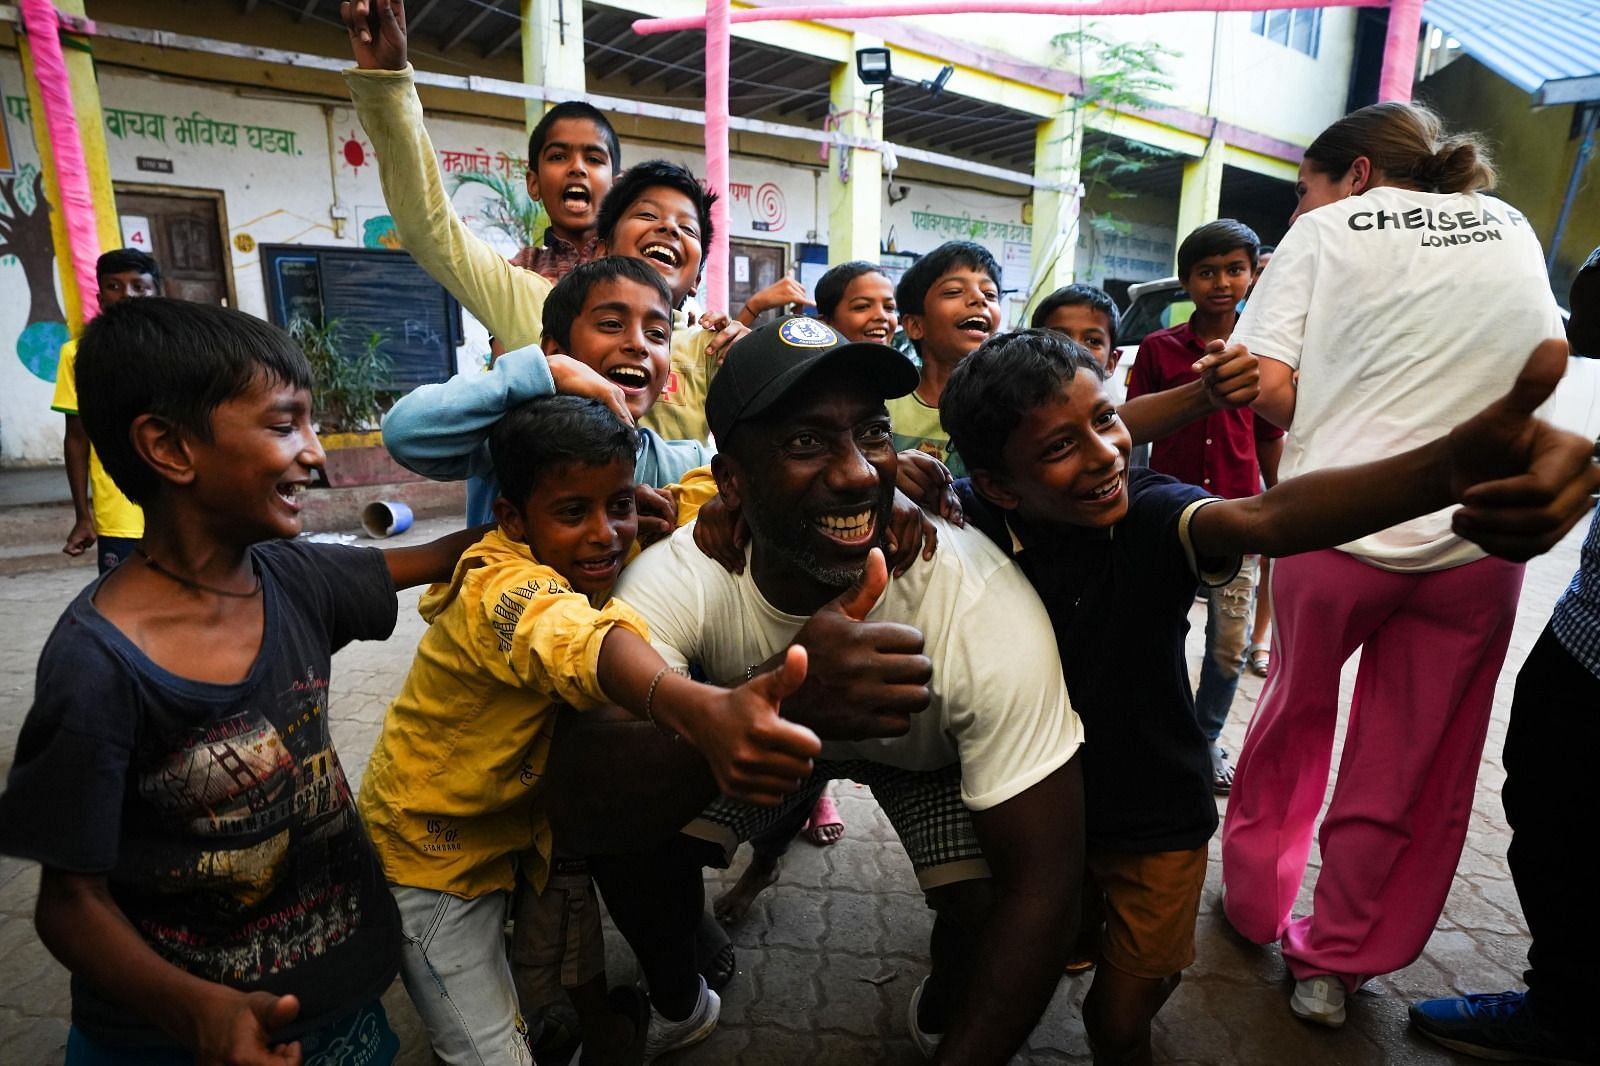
(361, 1038)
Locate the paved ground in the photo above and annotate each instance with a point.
(830, 957)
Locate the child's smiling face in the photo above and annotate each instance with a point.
(625, 333)
(960, 312)
(571, 176)
(866, 310)
(579, 521)
(259, 460)
(1066, 463)
(662, 227)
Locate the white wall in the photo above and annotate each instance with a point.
(1305, 94)
(278, 192)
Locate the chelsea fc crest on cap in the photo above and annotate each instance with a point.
(807, 333)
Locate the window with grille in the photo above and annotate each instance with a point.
(1298, 28)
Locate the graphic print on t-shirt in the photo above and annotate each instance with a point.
(1442, 229)
(252, 794)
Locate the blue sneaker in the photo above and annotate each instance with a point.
(1498, 1026)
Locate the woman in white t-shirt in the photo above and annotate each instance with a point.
(1401, 299)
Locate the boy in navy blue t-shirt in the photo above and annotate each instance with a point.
(1116, 555)
(206, 878)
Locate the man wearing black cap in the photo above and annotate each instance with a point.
(941, 690)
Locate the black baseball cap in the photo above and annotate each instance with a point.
(765, 366)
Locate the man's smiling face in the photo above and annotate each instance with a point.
(816, 484)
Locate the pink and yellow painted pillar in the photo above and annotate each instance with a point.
(69, 132)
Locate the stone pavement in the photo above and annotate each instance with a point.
(828, 958)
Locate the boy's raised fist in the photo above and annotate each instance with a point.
(377, 31)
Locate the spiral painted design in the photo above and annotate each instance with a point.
(770, 206)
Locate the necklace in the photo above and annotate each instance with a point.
(187, 582)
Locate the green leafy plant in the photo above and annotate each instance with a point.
(1117, 76)
(1124, 74)
(509, 209)
(348, 376)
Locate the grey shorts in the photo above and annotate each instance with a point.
(924, 806)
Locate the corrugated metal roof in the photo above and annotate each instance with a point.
(1550, 48)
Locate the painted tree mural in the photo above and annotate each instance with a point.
(25, 235)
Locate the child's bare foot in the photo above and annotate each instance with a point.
(732, 905)
(825, 826)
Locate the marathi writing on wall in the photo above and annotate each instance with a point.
(976, 229)
(193, 129)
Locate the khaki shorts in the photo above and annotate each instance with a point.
(556, 942)
(1151, 901)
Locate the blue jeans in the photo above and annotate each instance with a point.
(1227, 631)
(456, 970)
(362, 1038)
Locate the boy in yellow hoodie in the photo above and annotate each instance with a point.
(453, 792)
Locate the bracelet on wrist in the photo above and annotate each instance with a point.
(650, 699)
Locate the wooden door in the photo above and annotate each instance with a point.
(752, 266)
(184, 232)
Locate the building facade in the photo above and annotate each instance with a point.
(230, 137)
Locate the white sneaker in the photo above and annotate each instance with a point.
(666, 1036)
(927, 1043)
(1319, 999)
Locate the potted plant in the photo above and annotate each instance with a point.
(349, 393)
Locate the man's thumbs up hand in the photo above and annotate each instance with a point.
(1522, 483)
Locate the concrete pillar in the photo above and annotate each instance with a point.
(855, 175)
(1057, 208)
(1201, 199)
(552, 52)
(92, 135)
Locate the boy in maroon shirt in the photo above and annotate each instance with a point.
(1224, 452)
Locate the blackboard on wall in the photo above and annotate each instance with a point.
(368, 290)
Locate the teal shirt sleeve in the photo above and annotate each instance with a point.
(442, 431)
(662, 462)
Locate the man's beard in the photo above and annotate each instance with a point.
(788, 535)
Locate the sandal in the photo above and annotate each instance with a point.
(1259, 658)
(825, 826)
(1221, 772)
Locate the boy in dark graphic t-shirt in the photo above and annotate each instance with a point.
(206, 878)
(1116, 555)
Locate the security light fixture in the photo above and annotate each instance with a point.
(872, 66)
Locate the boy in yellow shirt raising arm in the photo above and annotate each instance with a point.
(453, 792)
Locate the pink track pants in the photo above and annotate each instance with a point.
(1432, 645)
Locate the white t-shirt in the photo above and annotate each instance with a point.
(1405, 313)
(999, 705)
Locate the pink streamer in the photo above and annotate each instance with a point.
(72, 171)
(836, 12)
(1400, 51)
(714, 297)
